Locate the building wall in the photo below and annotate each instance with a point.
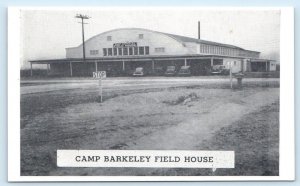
(272, 66)
(159, 44)
(102, 45)
(236, 64)
(226, 51)
(193, 48)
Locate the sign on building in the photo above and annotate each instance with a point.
(123, 45)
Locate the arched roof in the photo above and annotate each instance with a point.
(178, 38)
(143, 29)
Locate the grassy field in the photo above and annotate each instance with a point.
(189, 117)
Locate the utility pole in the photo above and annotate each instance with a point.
(199, 31)
(82, 17)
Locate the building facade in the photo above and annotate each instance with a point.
(120, 51)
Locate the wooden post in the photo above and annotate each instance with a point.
(30, 69)
(71, 70)
(47, 69)
(212, 61)
(123, 65)
(250, 68)
(100, 89)
(185, 62)
(153, 66)
(96, 66)
(242, 65)
(266, 66)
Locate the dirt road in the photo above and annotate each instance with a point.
(39, 86)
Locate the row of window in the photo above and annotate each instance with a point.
(94, 52)
(209, 49)
(142, 50)
(159, 49)
(109, 38)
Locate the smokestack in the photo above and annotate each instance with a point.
(198, 29)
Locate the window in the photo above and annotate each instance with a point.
(130, 51)
(210, 49)
(235, 52)
(141, 50)
(146, 50)
(105, 51)
(141, 36)
(108, 38)
(125, 51)
(120, 51)
(110, 51)
(160, 49)
(206, 48)
(203, 48)
(115, 51)
(94, 52)
(135, 49)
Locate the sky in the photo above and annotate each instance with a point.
(46, 33)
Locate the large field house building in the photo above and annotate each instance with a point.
(120, 51)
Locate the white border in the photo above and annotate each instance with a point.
(287, 139)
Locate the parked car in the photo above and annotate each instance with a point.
(171, 71)
(219, 70)
(139, 71)
(184, 71)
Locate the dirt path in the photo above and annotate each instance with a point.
(186, 135)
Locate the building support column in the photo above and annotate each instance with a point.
(123, 65)
(71, 70)
(212, 61)
(48, 69)
(250, 68)
(96, 66)
(185, 62)
(30, 69)
(266, 66)
(153, 65)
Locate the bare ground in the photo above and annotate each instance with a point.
(190, 117)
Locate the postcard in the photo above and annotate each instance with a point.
(150, 94)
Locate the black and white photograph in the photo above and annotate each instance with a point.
(192, 92)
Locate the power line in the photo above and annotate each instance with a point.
(82, 17)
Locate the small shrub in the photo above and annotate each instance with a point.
(183, 99)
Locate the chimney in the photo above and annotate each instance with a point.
(198, 29)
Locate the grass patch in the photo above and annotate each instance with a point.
(255, 140)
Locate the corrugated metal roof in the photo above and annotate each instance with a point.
(200, 41)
